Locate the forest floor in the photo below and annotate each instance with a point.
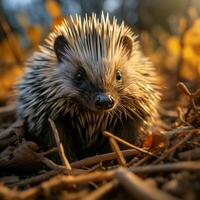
(167, 167)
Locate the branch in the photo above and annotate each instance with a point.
(59, 145)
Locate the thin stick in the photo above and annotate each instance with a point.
(35, 179)
(102, 157)
(193, 154)
(61, 181)
(180, 129)
(61, 152)
(138, 188)
(186, 165)
(141, 161)
(115, 147)
(54, 166)
(52, 150)
(172, 149)
(101, 191)
(107, 134)
(62, 169)
(133, 161)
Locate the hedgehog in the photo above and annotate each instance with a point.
(89, 76)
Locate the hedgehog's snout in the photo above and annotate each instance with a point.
(104, 101)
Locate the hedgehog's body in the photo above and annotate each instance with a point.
(89, 77)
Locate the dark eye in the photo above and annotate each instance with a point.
(79, 76)
(118, 75)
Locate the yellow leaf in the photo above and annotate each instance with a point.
(53, 8)
(190, 56)
(173, 45)
(192, 37)
(35, 34)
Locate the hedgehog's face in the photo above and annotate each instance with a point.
(94, 83)
(93, 95)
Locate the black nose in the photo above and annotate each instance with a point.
(104, 102)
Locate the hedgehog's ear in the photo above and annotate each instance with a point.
(60, 45)
(127, 43)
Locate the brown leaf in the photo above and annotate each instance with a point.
(156, 142)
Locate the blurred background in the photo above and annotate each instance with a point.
(169, 33)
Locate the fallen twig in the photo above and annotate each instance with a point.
(60, 168)
(102, 157)
(185, 165)
(172, 149)
(35, 179)
(120, 158)
(52, 150)
(138, 188)
(193, 154)
(12, 134)
(140, 162)
(180, 129)
(107, 134)
(101, 191)
(59, 145)
(64, 181)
